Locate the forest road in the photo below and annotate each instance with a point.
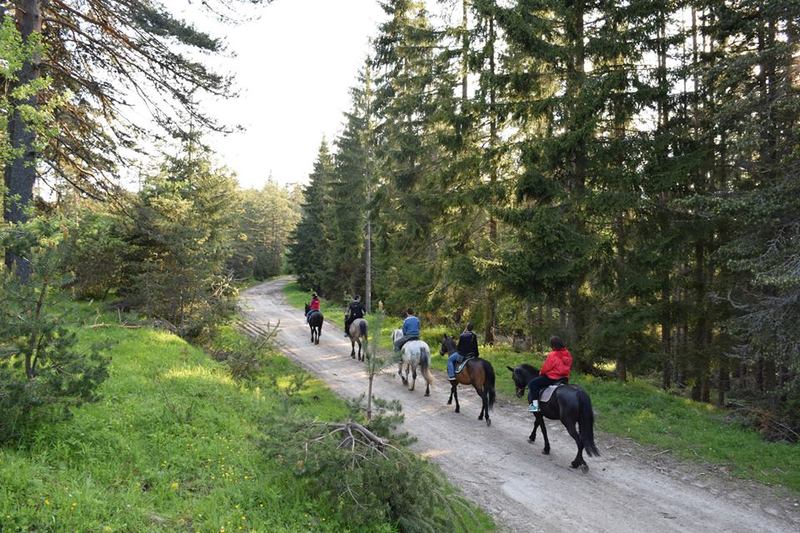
(628, 488)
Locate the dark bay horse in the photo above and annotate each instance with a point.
(478, 373)
(570, 404)
(315, 321)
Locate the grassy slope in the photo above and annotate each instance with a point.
(171, 446)
(690, 430)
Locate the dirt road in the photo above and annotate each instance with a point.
(628, 488)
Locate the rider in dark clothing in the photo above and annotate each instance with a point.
(468, 343)
(467, 346)
(355, 311)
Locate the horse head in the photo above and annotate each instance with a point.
(396, 334)
(447, 345)
(522, 375)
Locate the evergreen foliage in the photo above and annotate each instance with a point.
(43, 373)
(308, 252)
(623, 174)
(267, 217)
(181, 231)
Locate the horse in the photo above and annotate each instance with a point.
(478, 373)
(571, 405)
(315, 322)
(414, 354)
(357, 331)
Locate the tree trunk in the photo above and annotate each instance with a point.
(20, 173)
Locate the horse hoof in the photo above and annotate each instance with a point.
(530, 440)
(585, 468)
(488, 422)
(545, 452)
(450, 402)
(427, 394)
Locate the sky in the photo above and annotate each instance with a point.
(294, 67)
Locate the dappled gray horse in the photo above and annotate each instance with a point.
(357, 331)
(414, 354)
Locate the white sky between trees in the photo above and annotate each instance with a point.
(294, 66)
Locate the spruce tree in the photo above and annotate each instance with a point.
(308, 250)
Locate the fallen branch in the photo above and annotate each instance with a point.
(126, 326)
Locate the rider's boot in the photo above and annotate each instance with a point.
(534, 406)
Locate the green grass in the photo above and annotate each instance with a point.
(689, 430)
(172, 446)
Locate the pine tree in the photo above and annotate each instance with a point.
(308, 250)
(411, 88)
(346, 201)
(95, 55)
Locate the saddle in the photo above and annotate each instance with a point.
(547, 393)
(463, 363)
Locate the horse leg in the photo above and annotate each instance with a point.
(482, 396)
(360, 357)
(532, 436)
(413, 377)
(540, 420)
(455, 395)
(453, 385)
(485, 398)
(578, 461)
(316, 330)
(352, 348)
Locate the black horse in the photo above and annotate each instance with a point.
(478, 373)
(315, 321)
(570, 404)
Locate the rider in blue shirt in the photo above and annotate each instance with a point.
(410, 330)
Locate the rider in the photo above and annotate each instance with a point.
(555, 368)
(313, 305)
(467, 347)
(355, 311)
(410, 330)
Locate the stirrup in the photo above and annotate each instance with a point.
(534, 407)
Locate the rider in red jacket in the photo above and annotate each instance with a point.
(556, 367)
(312, 306)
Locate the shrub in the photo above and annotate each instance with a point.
(94, 253)
(180, 234)
(42, 373)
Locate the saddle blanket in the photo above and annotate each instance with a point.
(463, 363)
(547, 393)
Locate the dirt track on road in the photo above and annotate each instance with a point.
(628, 488)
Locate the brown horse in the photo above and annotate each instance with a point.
(478, 373)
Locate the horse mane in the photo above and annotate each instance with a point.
(529, 368)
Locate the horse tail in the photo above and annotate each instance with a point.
(490, 392)
(363, 328)
(425, 363)
(586, 423)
